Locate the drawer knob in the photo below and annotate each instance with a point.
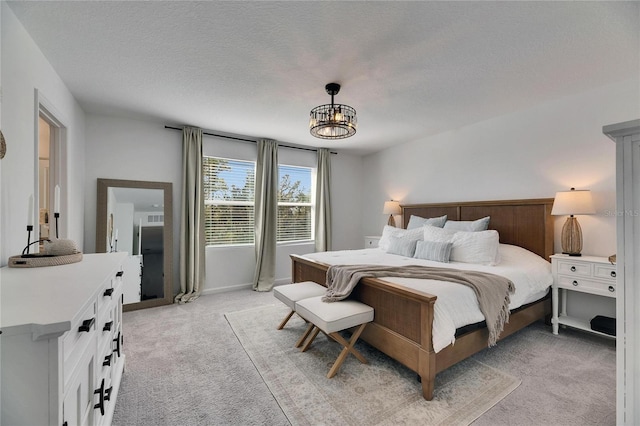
(86, 325)
(573, 269)
(612, 288)
(107, 326)
(119, 274)
(107, 360)
(575, 283)
(108, 292)
(613, 274)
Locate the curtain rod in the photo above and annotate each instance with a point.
(250, 140)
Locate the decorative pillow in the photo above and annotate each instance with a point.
(433, 233)
(468, 225)
(476, 247)
(391, 231)
(419, 222)
(402, 246)
(433, 250)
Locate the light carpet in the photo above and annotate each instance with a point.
(382, 392)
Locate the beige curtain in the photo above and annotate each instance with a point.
(192, 217)
(266, 215)
(323, 201)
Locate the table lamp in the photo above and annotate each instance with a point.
(572, 203)
(391, 208)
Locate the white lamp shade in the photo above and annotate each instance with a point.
(573, 202)
(391, 207)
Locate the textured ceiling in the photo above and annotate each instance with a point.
(410, 69)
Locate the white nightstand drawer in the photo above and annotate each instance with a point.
(605, 271)
(371, 242)
(574, 268)
(588, 286)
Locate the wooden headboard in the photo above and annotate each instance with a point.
(524, 223)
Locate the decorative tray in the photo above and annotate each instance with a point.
(37, 260)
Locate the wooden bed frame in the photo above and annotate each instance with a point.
(404, 317)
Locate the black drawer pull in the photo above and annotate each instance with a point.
(116, 350)
(108, 292)
(612, 288)
(107, 360)
(613, 274)
(86, 325)
(119, 274)
(100, 391)
(107, 393)
(575, 283)
(573, 269)
(107, 326)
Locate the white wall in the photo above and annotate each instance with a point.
(25, 70)
(120, 148)
(527, 154)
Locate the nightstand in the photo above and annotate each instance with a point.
(586, 274)
(371, 242)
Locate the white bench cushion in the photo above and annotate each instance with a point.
(291, 293)
(334, 316)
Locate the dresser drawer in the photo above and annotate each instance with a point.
(75, 341)
(574, 268)
(587, 285)
(605, 271)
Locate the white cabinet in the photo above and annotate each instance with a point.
(371, 241)
(627, 138)
(61, 343)
(584, 274)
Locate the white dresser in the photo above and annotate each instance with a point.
(61, 343)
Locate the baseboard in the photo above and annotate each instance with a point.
(236, 287)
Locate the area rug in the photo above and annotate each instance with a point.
(382, 392)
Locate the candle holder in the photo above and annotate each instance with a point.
(56, 216)
(29, 229)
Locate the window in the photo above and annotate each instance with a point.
(229, 188)
(228, 207)
(294, 203)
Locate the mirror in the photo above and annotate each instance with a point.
(136, 217)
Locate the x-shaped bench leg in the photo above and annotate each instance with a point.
(348, 348)
(284, 321)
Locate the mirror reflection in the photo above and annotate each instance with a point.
(133, 217)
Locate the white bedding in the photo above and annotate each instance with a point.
(457, 305)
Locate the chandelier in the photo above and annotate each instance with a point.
(333, 121)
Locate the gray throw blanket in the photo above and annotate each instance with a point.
(492, 291)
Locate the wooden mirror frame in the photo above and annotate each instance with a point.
(101, 233)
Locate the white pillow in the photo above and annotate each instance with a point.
(391, 231)
(418, 222)
(402, 246)
(441, 235)
(468, 225)
(476, 247)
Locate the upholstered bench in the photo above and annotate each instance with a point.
(331, 318)
(289, 294)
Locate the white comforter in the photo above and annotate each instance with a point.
(457, 305)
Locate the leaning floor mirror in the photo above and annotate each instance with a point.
(136, 217)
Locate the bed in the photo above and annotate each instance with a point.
(403, 323)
